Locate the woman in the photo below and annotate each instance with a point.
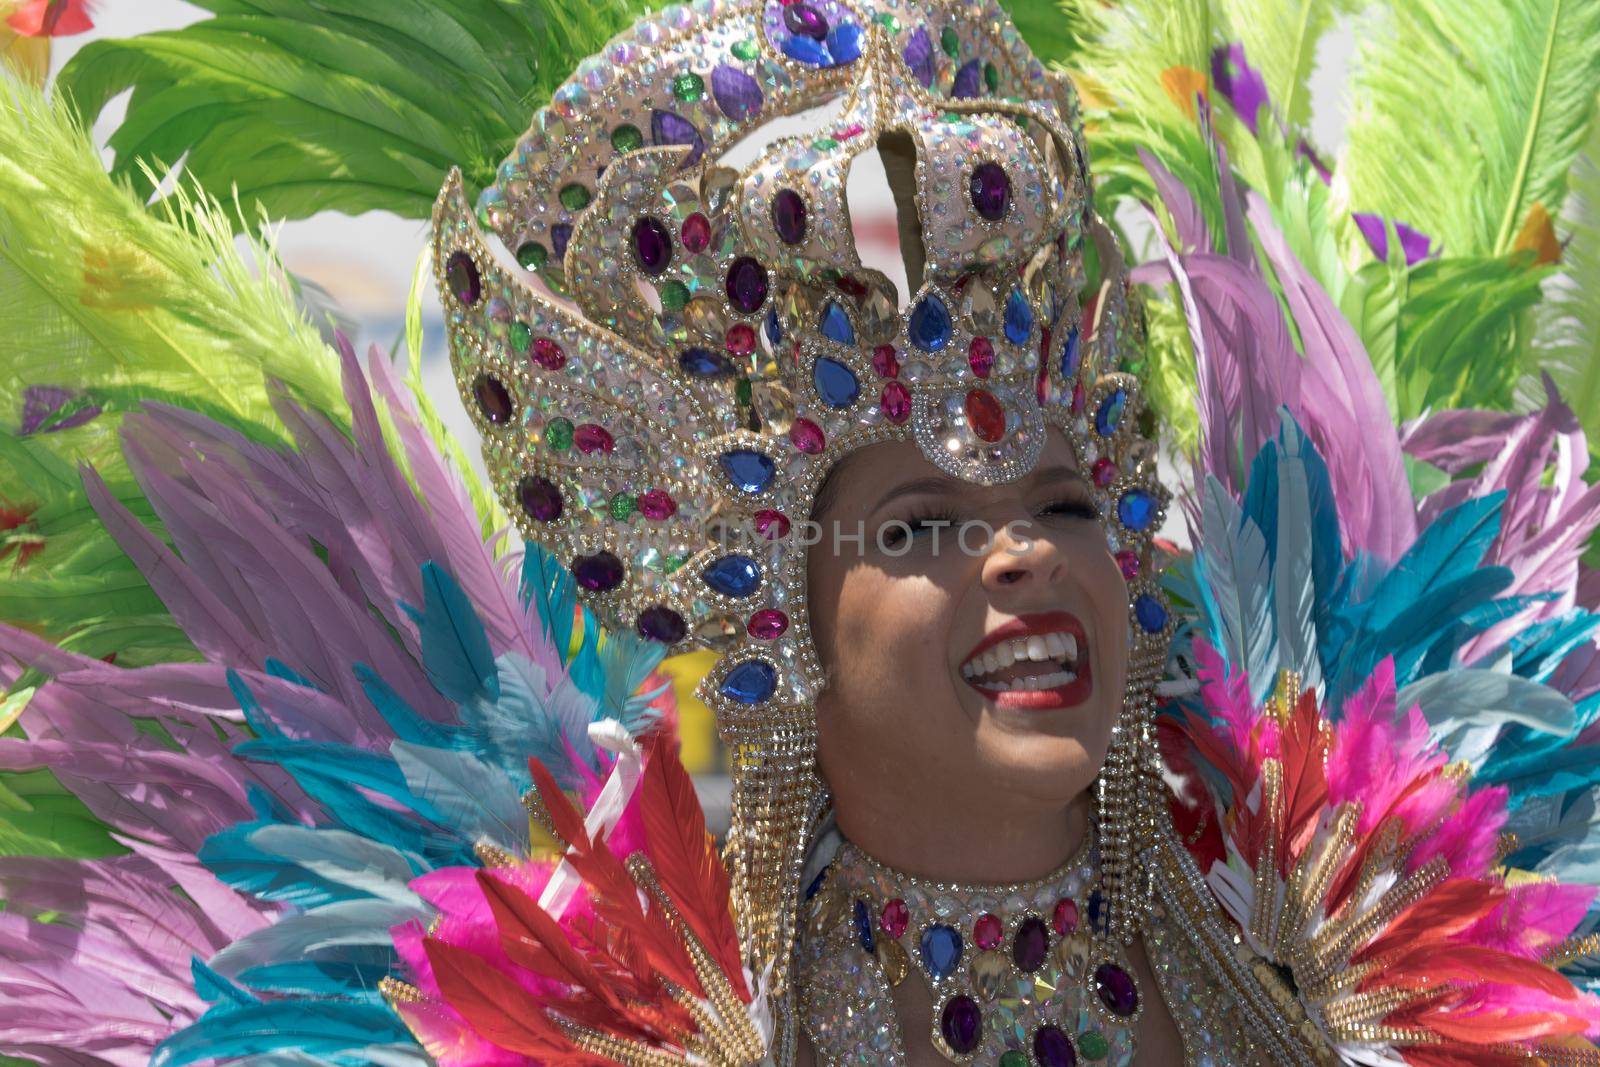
(944, 738)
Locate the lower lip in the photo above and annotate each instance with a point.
(1062, 696)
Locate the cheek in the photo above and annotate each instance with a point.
(890, 632)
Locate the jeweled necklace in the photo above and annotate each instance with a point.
(1020, 975)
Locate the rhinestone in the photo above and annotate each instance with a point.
(1093, 1044)
(657, 505)
(806, 51)
(991, 77)
(674, 295)
(599, 572)
(1071, 354)
(950, 42)
(747, 285)
(1065, 918)
(1019, 318)
(980, 356)
(652, 245)
(733, 575)
(806, 21)
(591, 438)
(985, 417)
(940, 946)
(930, 324)
(836, 383)
(844, 43)
(1109, 416)
(548, 354)
(493, 398)
(1128, 562)
(740, 339)
(695, 233)
(896, 964)
(789, 216)
(737, 94)
(918, 55)
(988, 931)
(622, 506)
(750, 682)
(884, 362)
(702, 362)
(658, 623)
(990, 190)
(894, 918)
(574, 197)
(1052, 1048)
(968, 80)
(539, 498)
(836, 324)
(806, 436)
(989, 971)
(688, 87)
(961, 1024)
(521, 336)
(558, 434)
(745, 49)
(559, 236)
(1072, 954)
(531, 255)
(1137, 510)
(1013, 1058)
(1116, 989)
(861, 919)
(751, 471)
(1030, 945)
(774, 328)
(462, 277)
(772, 525)
(895, 403)
(669, 128)
(1104, 472)
(626, 138)
(768, 624)
(1151, 613)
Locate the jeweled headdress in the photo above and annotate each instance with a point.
(727, 348)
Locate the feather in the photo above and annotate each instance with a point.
(455, 648)
(305, 866)
(495, 1007)
(473, 798)
(1237, 585)
(686, 860)
(333, 929)
(307, 1027)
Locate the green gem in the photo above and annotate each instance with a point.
(746, 49)
(741, 390)
(688, 87)
(574, 197)
(887, 21)
(991, 77)
(621, 506)
(558, 434)
(823, 144)
(531, 255)
(674, 295)
(1093, 1044)
(1014, 1059)
(672, 563)
(626, 138)
(950, 42)
(485, 222)
(521, 336)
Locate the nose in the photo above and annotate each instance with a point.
(1021, 559)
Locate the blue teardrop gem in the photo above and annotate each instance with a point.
(1109, 416)
(941, 950)
(1071, 354)
(702, 362)
(806, 50)
(1150, 612)
(1137, 510)
(836, 324)
(736, 576)
(1019, 318)
(836, 383)
(750, 682)
(774, 327)
(749, 470)
(863, 925)
(844, 43)
(930, 324)
(816, 883)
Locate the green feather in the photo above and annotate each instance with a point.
(1280, 39)
(345, 105)
(1467, 113)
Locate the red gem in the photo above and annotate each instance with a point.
(895, 918)
(985, 416)
(1041, 385)
(895, 402)
(696, 232)
(980, 356)
(1044, 345)
(855, 129)
(741, 339)
(850, 287)
(884, 362)
(987, 931)
(807, 436)
(548, 354)
(1104, 472)
(1078, 398)
(768, 624)
(1088, 316)
(773, 525)
(1129, 564)
(1066, 917)
(657, 505)
(591, 438)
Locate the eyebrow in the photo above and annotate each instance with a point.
(944, 486)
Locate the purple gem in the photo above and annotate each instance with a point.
(540, 498)
(1116, 989)
(736, 93)
(806, 21)
(599, 572)
(747, 285)
(968, 79)
(493, 399)
(789, 216)
(1031, 945)
(461, 275)
(662, 624)
(961, 1023)
(560, 234)
(990, 190)
(652, 245)
(1052, 1048)
(919, 56)
(667, 127)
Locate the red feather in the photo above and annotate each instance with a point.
(685, 857)
(493, 1003)
(566, 819)
(536, 941)
(51, 18)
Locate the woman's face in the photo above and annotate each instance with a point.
(965, 669)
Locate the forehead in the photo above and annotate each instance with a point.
(871, 471)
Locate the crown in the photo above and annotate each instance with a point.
(683, 348)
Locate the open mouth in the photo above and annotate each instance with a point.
(1034, 661)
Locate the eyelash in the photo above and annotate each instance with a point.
(1071, 508)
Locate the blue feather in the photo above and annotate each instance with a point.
(307, 867)
(402, 718)
(279, 669)
(549, 587)
(455, 647)
(319, 1028)
(336, 978)
(212, 988)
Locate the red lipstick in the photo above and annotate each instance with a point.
(1062, 696)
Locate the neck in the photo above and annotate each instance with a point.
(974, 845)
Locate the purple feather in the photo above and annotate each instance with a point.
(1239, 83)
(1414, 244)
(42, 404)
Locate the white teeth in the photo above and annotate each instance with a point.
(1070, 649)
(1038, 648)
(1006, 653)
(1057, 648)
(1035, 681)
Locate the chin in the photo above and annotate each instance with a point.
(1045, 767)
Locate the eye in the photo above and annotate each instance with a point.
(894, 535)
(1071, 507)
